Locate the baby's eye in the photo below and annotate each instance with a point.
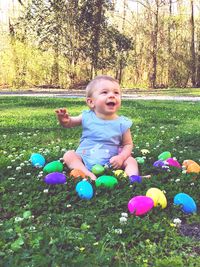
(104, 92)
(117, 93)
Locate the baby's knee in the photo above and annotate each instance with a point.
(69, 155)
(131, 161)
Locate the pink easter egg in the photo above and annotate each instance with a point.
(140, 205)
(173, 162)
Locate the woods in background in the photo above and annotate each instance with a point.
(59, 43)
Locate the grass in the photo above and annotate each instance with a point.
(43, 225)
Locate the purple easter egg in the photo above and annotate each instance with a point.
(55, 178)
(158, 164)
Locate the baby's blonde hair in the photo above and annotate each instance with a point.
(92, 84)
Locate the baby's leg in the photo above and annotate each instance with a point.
(74, 161)
(131, 166)
(131, 169)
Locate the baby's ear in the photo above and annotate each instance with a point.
(90, 102)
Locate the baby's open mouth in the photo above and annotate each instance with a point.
(110, 104)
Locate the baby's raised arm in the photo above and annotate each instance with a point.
(66, 120)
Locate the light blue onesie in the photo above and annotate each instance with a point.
(101, 139)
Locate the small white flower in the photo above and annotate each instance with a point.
(123, 220)
(18, 168)
(192, 184)
(18, 219)
(22, 164)
(11, 178)
(5, 152)
(69, 206)
(177, 221)
(4, 135)
(118, 231)
(28, 174)
(20, 193)
(32, 228)
(9, 167)
(177, 180)
(124, 214)
(46, 190)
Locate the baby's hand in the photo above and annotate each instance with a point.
(63, 116)
(116, 162)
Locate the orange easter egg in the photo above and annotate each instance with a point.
(193, 168)
(77, 173)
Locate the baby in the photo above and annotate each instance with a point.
(106, 137)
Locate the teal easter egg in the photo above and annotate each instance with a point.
(106, 181)
(37, 160)
(84, 190)
(54, 166)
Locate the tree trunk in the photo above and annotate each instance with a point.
(55, 68)
(97, 31)
(198, 64)
(152, 76)
(192, 46)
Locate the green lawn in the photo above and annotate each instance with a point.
(43, 225)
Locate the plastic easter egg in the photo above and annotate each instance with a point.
(165, 155)
(77, 173)
(188, 162)
(120, 174)
(193, 168)
(173, 162)
(55, 178)
(140, 205)
(54, 166)
(158, 197)
(145, 151)
(98, 169)
(159, 164)
(140, 160)
(106, 181)
(186, 202)
(84, 190)
(37, 160)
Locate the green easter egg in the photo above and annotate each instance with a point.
(98, 169)
(140, 160)
(165, 155)
(106, 181)
(54, 166)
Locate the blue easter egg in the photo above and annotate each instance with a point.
(37, 160)
(84, 190)
(186, 202)
(55, 178)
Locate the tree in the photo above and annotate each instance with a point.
(192, 46)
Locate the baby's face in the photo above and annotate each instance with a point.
(106, 98)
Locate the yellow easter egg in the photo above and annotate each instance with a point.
(158, 197)
(120, 174)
